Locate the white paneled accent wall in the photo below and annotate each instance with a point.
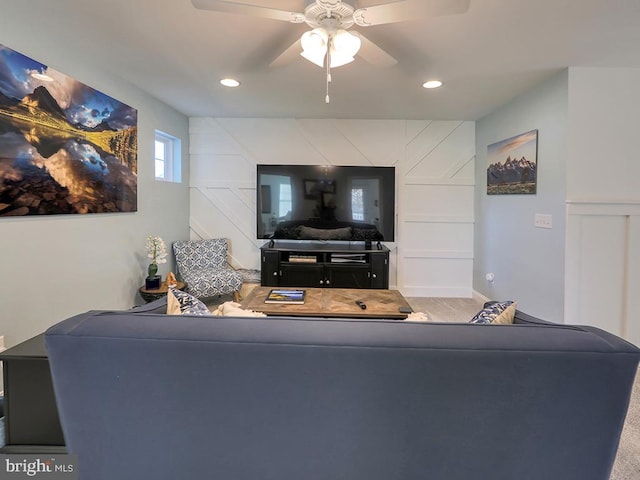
(603, 201)
(603, 259)
(434, 160)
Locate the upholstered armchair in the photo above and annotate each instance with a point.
(202, 265)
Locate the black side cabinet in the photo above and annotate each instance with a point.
(292, 264)
(31, 417)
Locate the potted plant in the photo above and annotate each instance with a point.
(157, 252)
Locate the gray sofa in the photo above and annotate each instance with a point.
(147, 395)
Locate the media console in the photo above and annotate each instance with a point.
(324, 265)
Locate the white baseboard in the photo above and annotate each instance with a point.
(450, 292)
(478, 297)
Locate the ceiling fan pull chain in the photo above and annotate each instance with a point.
(328, 63)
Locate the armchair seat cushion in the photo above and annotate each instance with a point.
(203, 282)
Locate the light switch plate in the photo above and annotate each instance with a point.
(543, 221)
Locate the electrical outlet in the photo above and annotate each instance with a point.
(543, 221)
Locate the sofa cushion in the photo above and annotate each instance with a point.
(182, 303)
(496, 313)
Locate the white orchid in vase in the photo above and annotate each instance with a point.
(157, 252)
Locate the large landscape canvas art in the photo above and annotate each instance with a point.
(513, 165)
(65, 148)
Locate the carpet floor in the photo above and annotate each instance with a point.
(627, 464)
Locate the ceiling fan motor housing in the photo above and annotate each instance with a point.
(317, 14)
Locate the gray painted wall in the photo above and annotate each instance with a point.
(528, 262)
(53, 267)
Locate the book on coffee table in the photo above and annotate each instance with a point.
(294, 296)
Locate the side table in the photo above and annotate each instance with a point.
(151, 295)
(31, 421)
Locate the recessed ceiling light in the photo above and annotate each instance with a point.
(432, 84)
(229, 82)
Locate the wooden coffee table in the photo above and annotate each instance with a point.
(332, 302)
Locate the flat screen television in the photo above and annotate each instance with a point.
(326, 202)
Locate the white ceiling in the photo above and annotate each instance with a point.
(485, 57)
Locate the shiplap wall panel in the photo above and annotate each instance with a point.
(212, 168)
(208, 137)
(463, 172)
(440, 276)
(603, 265)
(602, 270)
(430, 154)
(334, 147)
(273, 141)
(328, 140)
(439, 199)
(434, 177)
(381, 142)
(224, 216)
(438, 237)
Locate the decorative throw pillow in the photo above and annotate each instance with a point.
(310, 233)
(363, 234)
(418, 317)
(287, 232)
(496, 313)
(182, 303)
(233, 309)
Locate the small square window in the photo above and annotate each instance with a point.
(167, 157)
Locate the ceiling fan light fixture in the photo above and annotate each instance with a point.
(314, 45)
(343, 46)
(432, 84)
(315, 41)
(339, 59)
(345, 43)
(314, 57)
(329, 44)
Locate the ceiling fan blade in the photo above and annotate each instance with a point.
(289, 55)
(408, 10)
(373, 54)
(245, 9)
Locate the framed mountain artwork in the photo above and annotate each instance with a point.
(65, 148)
(513, 165)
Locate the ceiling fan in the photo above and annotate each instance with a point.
(329, 44)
